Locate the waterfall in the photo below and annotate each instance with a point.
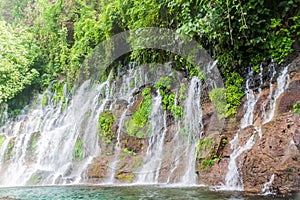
(118, 147)
(282, 84)
(43, 141)
(250, 103)
(193, 127)
(152, 161)
(232, 179)
(57, 144)
(176, 158)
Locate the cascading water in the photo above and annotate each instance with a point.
(153, 158)
(282, 84)
(128, 87)
(42, 143)
(117, 149)
(232, 180)
(250, 103)
(54, 144)
(194, 128)
(40, 147)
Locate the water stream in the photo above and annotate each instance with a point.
(282, 84)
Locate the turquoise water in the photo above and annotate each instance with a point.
(122, 193)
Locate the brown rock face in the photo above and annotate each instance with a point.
(216, 174)
(276, 153)
(98, 170)
(289, 98)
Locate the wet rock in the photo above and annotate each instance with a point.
(212, 149)
(290, 97)
(133, 143)
(97, 171)
(275, 153)
(217, 174)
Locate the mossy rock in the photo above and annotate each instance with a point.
(33, 144)
(207, 152)
(105, 126)
(34, 180)
(137, 124)
(2, 139)
(125, 177)
(9, 150)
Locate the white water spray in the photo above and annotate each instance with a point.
(282, 84)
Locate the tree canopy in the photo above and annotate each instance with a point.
(53, 37)
(17, 55)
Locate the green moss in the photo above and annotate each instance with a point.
(205, 144)
(182, 92)
(128, 177)
(206, 153)
(131, 84)
(218, 98)
(2, 139)
(224, 142)
(105, 124)
(78, 149)
(137, 162)
(85, 121)
(207, 163)
(130, 152)
(34, 141)
(44, 99)
(141, 116)
(131, 127)
(168, 98)
(9, 150)
(34, 180)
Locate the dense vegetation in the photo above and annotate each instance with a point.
(44, 42)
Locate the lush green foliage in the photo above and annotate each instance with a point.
(234, 93)
(17, 53)
(130, 152)
(78, 149)
(105, 124)
(140, 118)
(296, 108)
(218, 98)
(60, 34)
(207, 144)
(168, 97)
